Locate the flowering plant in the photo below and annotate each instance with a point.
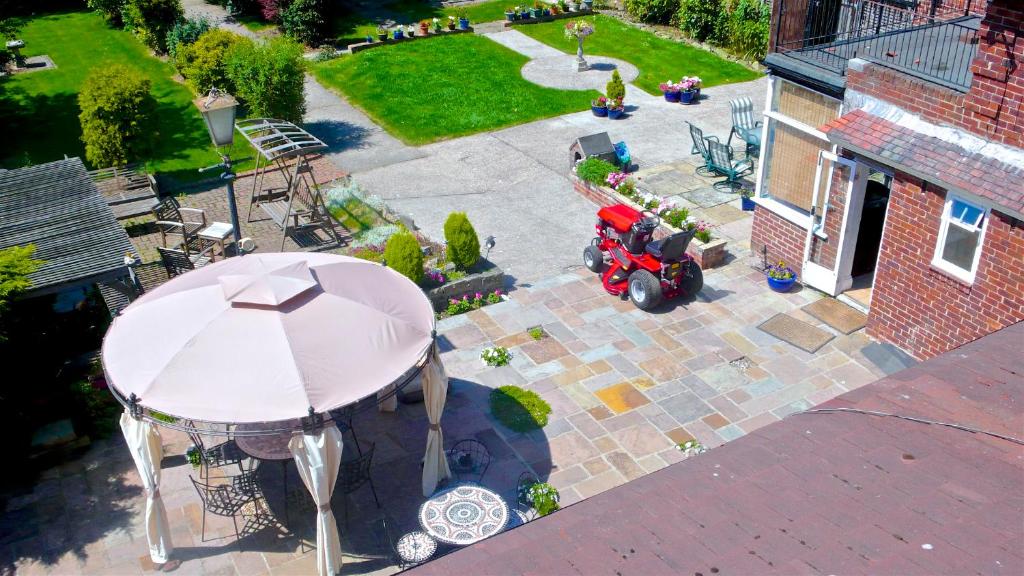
(675, 217)
(669, 86)
(578, 29)
(689, 83)
(437, 25)
(436, 276)
(601, 102)
(616, 104)
(466, 304)
(615, 179)
(703, 231)
(494, 297)
(496, 356)
(691, 448)
(780, 271)
(543, 496)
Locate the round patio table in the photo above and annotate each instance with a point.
(270, 447)
(463, 514)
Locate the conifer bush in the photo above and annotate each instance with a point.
(402, 253)
(463, 244)
(615, 89)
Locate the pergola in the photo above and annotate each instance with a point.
(280, 340)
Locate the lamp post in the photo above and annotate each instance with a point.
(218, 110)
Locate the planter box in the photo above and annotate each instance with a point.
(707, 255)
(391, 41)
(485, 280)
(550, 18)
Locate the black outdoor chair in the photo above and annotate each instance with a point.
(229, 500)
(343, 420)
(468, 460)
(226, 453)
(409, 549)
(177, 262)
(353, 474)
(522, 508)
(700, 146)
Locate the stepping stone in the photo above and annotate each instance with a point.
(708, 197)
(804, 336)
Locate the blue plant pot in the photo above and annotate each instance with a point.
(780, 285)
(524, 15)
(747, 204)
(510, 16)
(688, 97)
(547, 12)
(463, 23)
(588, 4)
(599, 112)
(369, 39)
(398, 35)
(671, 96)
(615, 114)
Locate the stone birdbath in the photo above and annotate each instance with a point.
(15, 47)
(579, 30)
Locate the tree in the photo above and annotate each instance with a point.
(615, 89)
(112, 10)
(117, 115)
(463, 245)
(304, 20)
(703, 20)
(16, 263)
(403, 254)
(151, 20)
(204, 62)
(652, 11)
(269, 78)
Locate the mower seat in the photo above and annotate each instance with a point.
(671, 248)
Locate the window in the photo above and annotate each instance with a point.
(960, 237)
(807, 106)
(790, 166)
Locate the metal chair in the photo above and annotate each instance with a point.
(343, 420)
(171, 221)
(723, 163)
(228, 500)
(177, 262)
(353, 474)
(744, 125)
(409, 549)
(700, 147)
(524, 507)
(226, 453)
(468, 460)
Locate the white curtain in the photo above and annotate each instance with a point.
(318, 456)
(147, 451)
(435, 391)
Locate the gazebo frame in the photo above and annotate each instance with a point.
(276, 143)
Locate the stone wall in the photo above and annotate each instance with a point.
(488, 279)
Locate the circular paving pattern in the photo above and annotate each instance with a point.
(560, 72)
(416, 547)
(464, 515)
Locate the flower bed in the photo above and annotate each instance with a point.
(707, 254)
(419, 36)
(486, 279)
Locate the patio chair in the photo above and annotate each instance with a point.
(723, 163)
(228, 500)
(700, 147)
(353, 474)
(409, 549)
(744, 126)
(343, 420)
(226, 453)
(524, 510)
(468, 460)
(177, 262)
(171, 222)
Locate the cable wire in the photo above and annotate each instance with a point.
(914, 419)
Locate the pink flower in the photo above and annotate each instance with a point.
(453, 301)
(466, 297)
(497, 292)
(478, 296)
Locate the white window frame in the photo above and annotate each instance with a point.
(945, 222)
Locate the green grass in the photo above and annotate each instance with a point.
(39, 110)
(658, 59)
(356, 216)
(518, 409)
(445, 87)
(353, 26)
(254, 22)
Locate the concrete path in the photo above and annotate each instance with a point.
(560, 72)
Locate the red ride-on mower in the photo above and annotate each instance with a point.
(647, 269)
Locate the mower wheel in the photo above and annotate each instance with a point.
(692, 280)
(644, 290)
(593, 259)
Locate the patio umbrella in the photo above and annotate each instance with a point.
(266, 338)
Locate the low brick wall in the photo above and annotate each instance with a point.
(488, 279)
(391, 41)
(707, 255)
(551, 18)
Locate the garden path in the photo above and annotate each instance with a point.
(217, 16)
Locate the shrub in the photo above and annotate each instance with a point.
(594, 170)
(117, 115)
(518, 409)
(269, 9)
(652, 11)
(269, 77)
(185, 33)
(16, 263)
(304, 20)
(496, 356)
(615, 89)
(463, 244)
(112, 10)
(204, 62)
(402, 253)
(749, 26)
(151, 20)
(702, 20)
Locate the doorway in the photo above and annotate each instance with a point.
(869, 236)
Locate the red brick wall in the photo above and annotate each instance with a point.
(927, 312)
(785, 240)
(994, 107)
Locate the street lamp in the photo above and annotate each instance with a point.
(218, 110)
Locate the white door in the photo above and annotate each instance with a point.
(834, 175)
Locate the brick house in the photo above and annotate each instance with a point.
(892, 172)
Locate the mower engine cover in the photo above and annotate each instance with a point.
(620, 217)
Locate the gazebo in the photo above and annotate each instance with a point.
(280, 340)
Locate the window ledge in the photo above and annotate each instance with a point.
(959, 277)
(785, 212)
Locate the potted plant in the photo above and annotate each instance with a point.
(545, 10)
(578, 30)
(780, 277)
(544, 498)
(536, 11)
(463, 20)
(510, 14)
(616, 109)
(572, 6)
(424, 27)
(689, 89)
(397, 34)
(524, 14)
(670, 90)
(562, 6)
(746, 202)
(410, 31)
(588, 4)
(451, 22)
(599, 107)
(382, 33)
(555, 9)
(368, 39)
(437, 26)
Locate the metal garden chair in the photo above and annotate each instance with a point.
(723, 163)
(229, 500)
(522, 507)
(355, 473)
(700, 147)
(468, 460)
(226, 453)
(744, 125)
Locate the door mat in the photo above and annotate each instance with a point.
(804, 336)
(837, 315)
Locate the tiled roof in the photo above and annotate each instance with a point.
(932, 159)
(829, 493)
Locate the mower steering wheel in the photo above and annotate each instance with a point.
(650, 218)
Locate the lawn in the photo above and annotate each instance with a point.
(350, 26)
(445, 87)
(658, 59)
(254, 22)
(39, 110)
